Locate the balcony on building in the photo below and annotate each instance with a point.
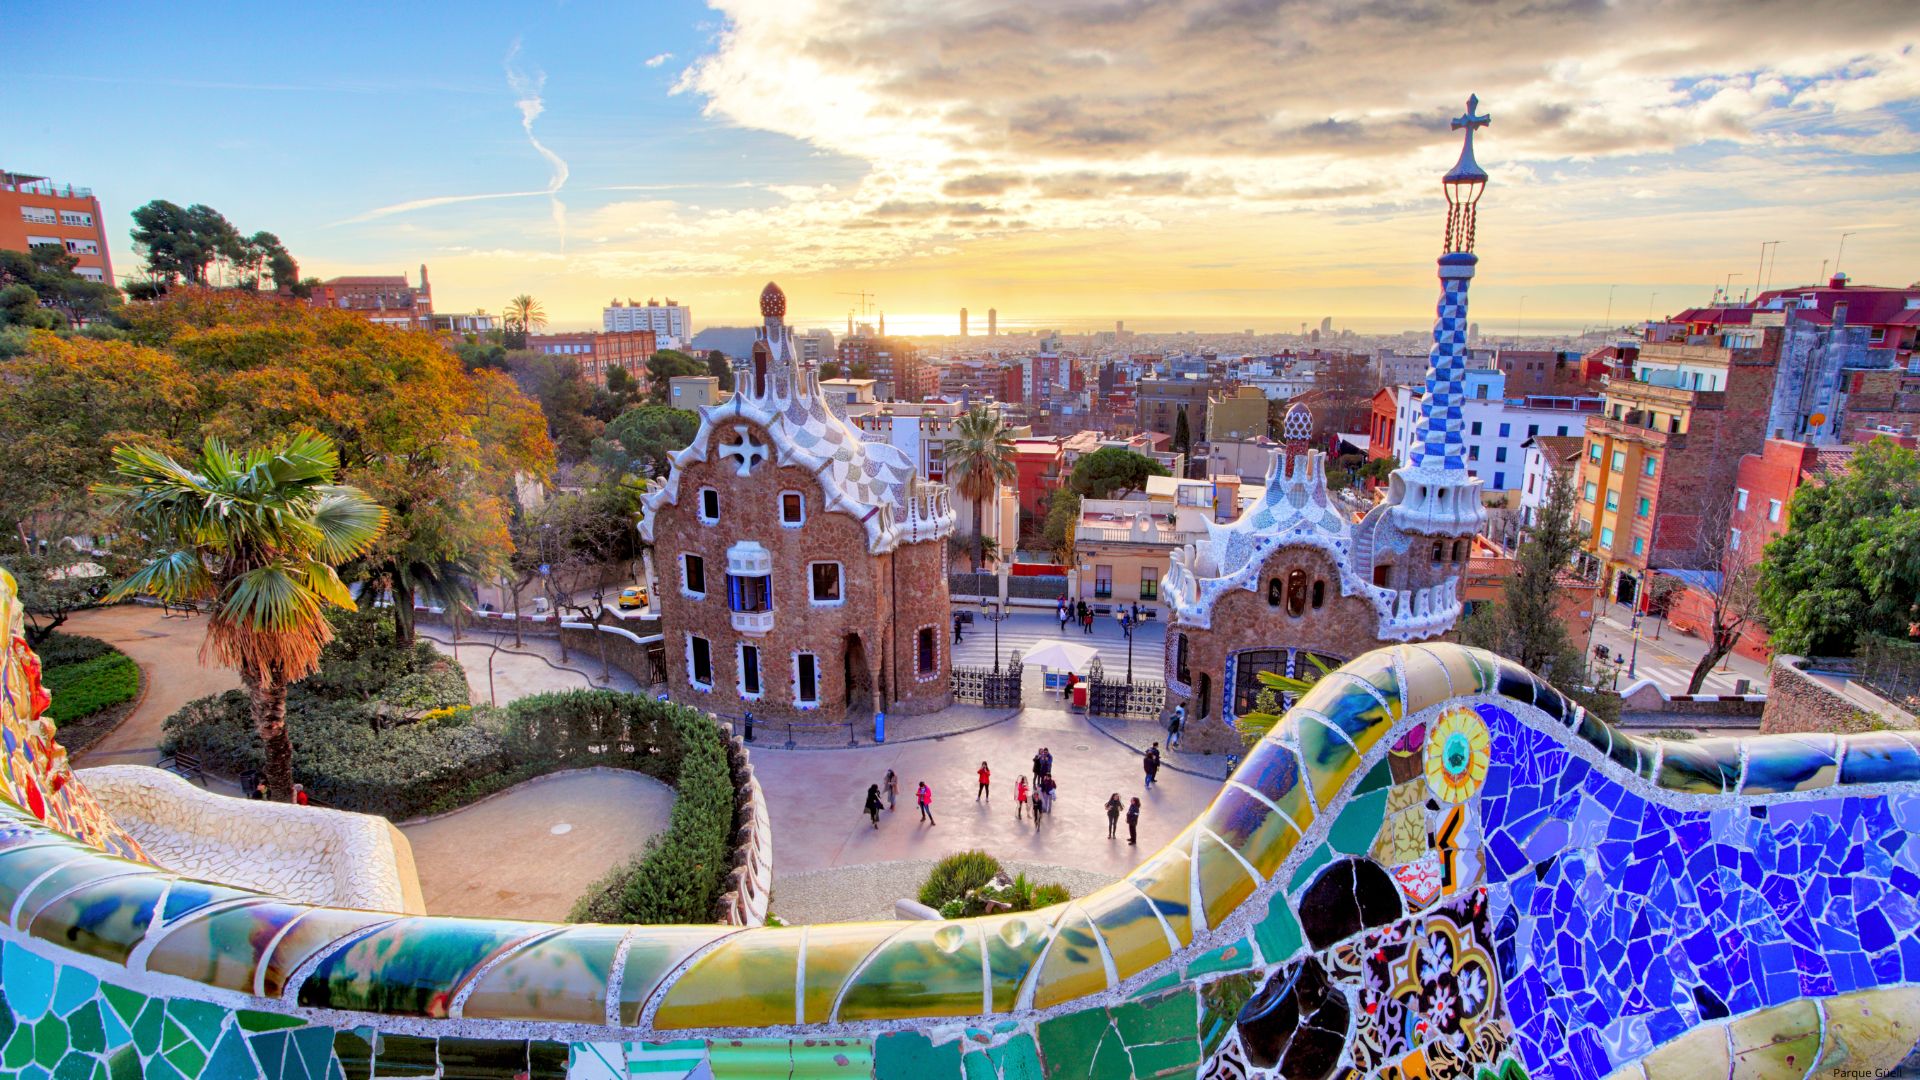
(750, 587)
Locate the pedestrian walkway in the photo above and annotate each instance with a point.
(1023, 629)
(1667, 659)
(498, 671)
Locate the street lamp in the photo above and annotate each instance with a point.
(996, 613)
(1634, 660)
(1120, 616)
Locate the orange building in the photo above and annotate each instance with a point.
(385, 299)
(598, 353)
(34, 211)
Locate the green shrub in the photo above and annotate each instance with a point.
(953, 877)
(59, 650)
(678, 878)
(85, 688)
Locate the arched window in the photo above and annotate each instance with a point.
(1273, 592)
(1319, 593)
(1296, 592)
(1459, 550)
(759, 369)
(1439, 550)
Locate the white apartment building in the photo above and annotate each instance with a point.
(1497, 427)
(671, 323)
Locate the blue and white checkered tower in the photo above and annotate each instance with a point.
(1432, 493)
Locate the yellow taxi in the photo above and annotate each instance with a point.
(633, 597)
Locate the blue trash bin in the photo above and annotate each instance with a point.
(879, 726)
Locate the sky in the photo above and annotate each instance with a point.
(1252, 163)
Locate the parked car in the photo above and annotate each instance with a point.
(634, 596)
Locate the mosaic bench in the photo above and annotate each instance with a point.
(1435, 867)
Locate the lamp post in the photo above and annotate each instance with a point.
(1634, 660)
(996, 613)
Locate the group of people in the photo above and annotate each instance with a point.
(1078, 613)
(1037, 796)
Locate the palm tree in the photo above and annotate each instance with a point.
(255, 535)
(979, 458)
(526, 313)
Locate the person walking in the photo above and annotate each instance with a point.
(957, 623)
(893, 789)
(925, 798)
(1046, 791)
(1039, 804)
(1039, 764)
(1046, 760)
(1020, 798)
(1086, 623)
(986, 777)
(1133, 821)
(1151, 763)
(1175, 725)
(1061, 611)
(1080, 611)
(873, 804)
(1113, 814)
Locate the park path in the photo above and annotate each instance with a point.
(168, 652)
(531, 851)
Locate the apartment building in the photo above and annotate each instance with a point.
(894, 364)
(389, 300)
(1158, 402)
(598, 354)
(1667, 444)
(34, 211)
(671, 323)
(1497, 426)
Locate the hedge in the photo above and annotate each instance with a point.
(82, 689)
(678, 877)
(58, 649)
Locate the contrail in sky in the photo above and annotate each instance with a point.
(528, 88)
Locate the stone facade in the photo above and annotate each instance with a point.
(1796, 702)
(800, 572)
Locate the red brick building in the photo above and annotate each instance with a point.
(1380, 424)
(1041, 471)
(36, 211)
(387, 300)
(598, 353)
(801, 571)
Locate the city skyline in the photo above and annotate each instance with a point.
(1067, 165)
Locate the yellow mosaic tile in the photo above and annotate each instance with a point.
(1261, 836)
(1427, 681)
(655, 953)
(831, 954)
(1224, 882)
(1329, 759)
(1126, 922)
(1781, 1043)
(927, 969)
(1870, 1031)
(746, 981)
(562, 978)
(1167, 879)
(1073, 967)
(1015, 943)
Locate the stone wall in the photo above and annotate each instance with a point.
(749, 888)
(1798, 702)
(305, 853)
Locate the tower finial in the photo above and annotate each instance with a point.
(773, 302)
(1464, 182)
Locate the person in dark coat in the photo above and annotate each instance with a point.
(1113, 814)
(873, 804)
(1133, 821)
(1151, 764)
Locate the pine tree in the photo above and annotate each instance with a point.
(1182, 434)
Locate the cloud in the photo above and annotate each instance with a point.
(531, 105)
(657, 59)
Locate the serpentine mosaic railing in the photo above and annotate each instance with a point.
(1435, 866)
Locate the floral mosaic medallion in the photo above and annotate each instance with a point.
(1458, 749)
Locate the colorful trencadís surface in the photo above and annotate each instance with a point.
(1434, 866)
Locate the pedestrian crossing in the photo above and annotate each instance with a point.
(1022, 631)
(1670, 676)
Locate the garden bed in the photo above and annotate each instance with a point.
(94, 685)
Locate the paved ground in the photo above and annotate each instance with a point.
(1023, 629)
(168, 652)
(1668, 659)
(530, 852)
(531, 667)
(815, 798)
(867, 893)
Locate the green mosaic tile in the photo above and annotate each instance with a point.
(1069, 1044)
(158, 1069)
(73, 989)
(1154, 986)
(272, 1050)
(547, 1060)
(1321, 856)
(750, 1059)
(483, 1059)
(413, 967)
(202, 1019)
(49, 1041)
(824, 1059)
(1017, 1059)
(180, 1050)
(354, 1049)
(747, 980)
(1279, 933)
(149, 1027)
(1233, 956)
(19, 1048)
(75, 1066)
(124, 1064)
(124, 1002)
(34, 1072)
(1354, 830)
(404, 1056)
(1380, 778)
(1220, 1004)
(117, 1033)
(85, 1029)
(1167, 1018)
(1329, 759)
(978, 1066)
(909, 1055)
(1166, 1060)
(231, 1060)
(254, 1020)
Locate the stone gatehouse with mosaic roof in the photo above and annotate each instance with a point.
(801, 572)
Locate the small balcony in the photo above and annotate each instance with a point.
(753, 623)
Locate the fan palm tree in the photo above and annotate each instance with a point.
(256, 535)
(526, 313)
(979, 458)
